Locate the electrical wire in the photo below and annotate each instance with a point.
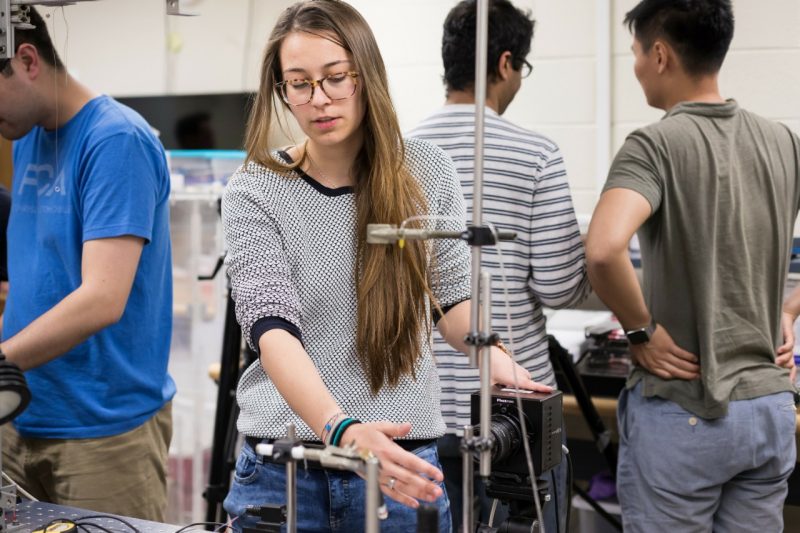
(55, 91)
(556, 503)
(85, 527)
(511, 348)
(66, 42)
(107, 517)
(248, 38)
(495, 502)
(22, 491)
(227, 524)
(569, 486)
(169, 63)
(196, 524)
(430, 218)
(517, 396)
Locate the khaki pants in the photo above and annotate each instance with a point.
(123, 475)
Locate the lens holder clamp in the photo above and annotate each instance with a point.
(476, 338)
(476, 444)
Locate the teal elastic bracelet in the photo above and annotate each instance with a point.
(340, 429)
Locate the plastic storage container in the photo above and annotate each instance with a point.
(198, 322)
(192, 168)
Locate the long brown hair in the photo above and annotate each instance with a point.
(392, 283)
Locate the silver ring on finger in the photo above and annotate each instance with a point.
(391, 483)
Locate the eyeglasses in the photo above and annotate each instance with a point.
(526, 68)
(339, 86)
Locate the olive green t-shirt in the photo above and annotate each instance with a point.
(724, 188)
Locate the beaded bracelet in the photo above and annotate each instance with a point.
(329, 425)
(332, 433)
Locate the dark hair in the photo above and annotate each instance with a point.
(39, 38)
(699, 30)
(510, 29)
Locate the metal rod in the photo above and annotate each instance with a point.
(373, 496)
(467, 475)
(482, 43)
(291, 486)
(3, 509)
(485, 373)
(6, 31)
(481, 46)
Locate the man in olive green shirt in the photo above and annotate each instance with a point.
(707, 420)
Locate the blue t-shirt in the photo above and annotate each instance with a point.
(102, 175)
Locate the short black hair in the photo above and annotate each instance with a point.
(700, 30)
(510, 29)
(38, 37)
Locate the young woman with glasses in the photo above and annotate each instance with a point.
(342, 327)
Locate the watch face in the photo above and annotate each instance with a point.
(638, 336)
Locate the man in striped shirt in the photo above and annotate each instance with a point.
(525, 189)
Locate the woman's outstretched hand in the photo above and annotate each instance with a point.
(404, 477)
(504, 369)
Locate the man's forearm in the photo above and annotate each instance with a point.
(792, 303)
(74, 319)
(619, 213)
(614, 280)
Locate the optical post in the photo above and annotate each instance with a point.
(14, 14)
(290, 450)
(479, 338)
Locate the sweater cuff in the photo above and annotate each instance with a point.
(436, 316)
(267, 323)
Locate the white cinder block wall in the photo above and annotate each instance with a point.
(578, 95)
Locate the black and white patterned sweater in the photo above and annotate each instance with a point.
(291, 259)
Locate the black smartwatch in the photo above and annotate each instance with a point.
(641, 335)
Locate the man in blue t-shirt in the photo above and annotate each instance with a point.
(88, 317)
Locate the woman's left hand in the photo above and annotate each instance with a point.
(504, 369)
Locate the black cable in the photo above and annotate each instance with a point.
(84, 526)
(109, 517)
(186, 528)
(569, 486)
(597, 507)
(555, 498)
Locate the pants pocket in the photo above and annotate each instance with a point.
(247, 467)
(622, 405)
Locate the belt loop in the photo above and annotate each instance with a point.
(252, 442)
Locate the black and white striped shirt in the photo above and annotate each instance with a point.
(525, 190)
(291, 258)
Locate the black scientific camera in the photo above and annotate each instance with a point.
(509, 480)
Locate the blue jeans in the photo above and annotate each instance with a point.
(680, 472)
(329, 501)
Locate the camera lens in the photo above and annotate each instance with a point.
(506, 435)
